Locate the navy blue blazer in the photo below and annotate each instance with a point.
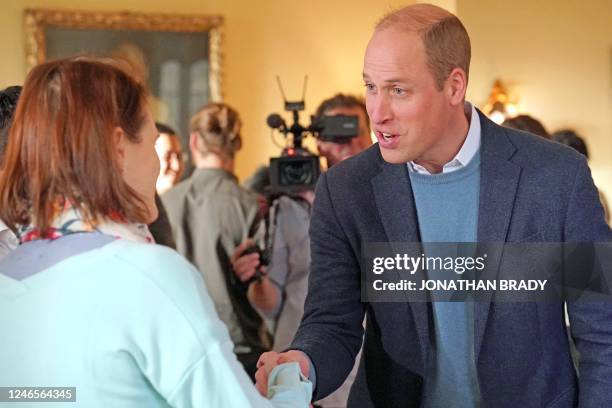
(531, 190)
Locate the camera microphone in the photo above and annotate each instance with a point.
(275, 121)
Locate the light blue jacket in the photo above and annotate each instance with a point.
(128, 325)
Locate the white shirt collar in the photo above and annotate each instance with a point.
(467, 151)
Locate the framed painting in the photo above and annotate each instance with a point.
(177, 56)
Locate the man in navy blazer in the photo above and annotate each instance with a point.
(528, 190)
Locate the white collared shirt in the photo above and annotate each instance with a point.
(467, 151)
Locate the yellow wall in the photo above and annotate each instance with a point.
(557, 56)
(322, 38)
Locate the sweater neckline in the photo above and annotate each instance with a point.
(451, 177)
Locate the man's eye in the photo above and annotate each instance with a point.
(370, 87)
(398, 91)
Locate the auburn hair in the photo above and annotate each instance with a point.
(61, 147)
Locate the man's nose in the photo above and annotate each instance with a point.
(379, 109)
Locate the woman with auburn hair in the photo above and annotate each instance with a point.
(87, 300)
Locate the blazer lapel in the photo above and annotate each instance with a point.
(397, 210)
(499, 180)
(395, 203)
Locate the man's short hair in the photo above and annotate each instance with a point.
(8, 102)
(446, 41)
(341, 100)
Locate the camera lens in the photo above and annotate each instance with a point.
(296, 173)
(292, 174)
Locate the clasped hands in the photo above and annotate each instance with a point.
(267, 361)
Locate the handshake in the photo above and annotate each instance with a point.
(267, 361)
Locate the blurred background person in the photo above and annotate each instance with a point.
(161, 228)
(280, 294)
(570, 138)
(170, 153)
(126, 322)
(171, 166)
(211, 215)
(348, 105)
(527, 123)
(8, 102)
(259, 183)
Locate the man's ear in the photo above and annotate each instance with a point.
(456, 86)
(119, 141)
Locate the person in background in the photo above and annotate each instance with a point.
(170, 153)
(259, 183)
(527, 123)
(161, 228)
(8, 102)
(211, 215)
(333, 152)
(281, 293)
(87, 300)
(348, 105)
(570, 138)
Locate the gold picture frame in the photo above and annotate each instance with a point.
(40, 22)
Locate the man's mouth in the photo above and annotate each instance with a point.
(386, 135)
(388, 140)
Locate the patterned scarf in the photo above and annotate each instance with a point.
(67, 220)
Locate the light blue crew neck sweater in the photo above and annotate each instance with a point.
(447, 211)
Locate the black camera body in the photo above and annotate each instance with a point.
(293, 174)
(336, 129)
(297, 169)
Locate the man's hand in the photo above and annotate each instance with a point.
(244, 266)
(262, 292)
(267, 362)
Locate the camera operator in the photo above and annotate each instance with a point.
(341, 104)
(280, 294)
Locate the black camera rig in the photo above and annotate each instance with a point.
(297, 169)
